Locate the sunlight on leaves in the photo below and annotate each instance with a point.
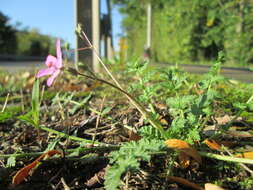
(184, 147)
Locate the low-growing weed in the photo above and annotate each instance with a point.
(128, 157)
(32, 117)
(188, 104)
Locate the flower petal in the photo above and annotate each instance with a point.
(50, 80)
(44, 72)
(59, 54)
(51, 60)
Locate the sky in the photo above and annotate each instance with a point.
(52, 17)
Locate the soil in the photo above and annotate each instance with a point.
(87, 170)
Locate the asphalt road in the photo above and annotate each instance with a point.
(240, 74)
(17, 66)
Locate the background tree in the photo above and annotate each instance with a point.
(8, 41)
(191, 31)
(23, 41)
(32, 43)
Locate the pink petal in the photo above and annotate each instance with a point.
(59, 54)
(51, 60)
(50, 80)
(58, 64)
(44, 72)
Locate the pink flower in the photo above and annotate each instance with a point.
(54, 65)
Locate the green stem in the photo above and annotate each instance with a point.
(61, 134)
(116, 147)
(226, 158)
(141, 109)
(249, 100)
(21, 155)
(82, 150)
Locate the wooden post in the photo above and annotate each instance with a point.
(149, 26)
(88, 15)
(147, 50)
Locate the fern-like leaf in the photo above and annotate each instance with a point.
(128, 158)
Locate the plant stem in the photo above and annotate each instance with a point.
(250, 99)
(100, 60)
(5, 102)
(81, 150)
(109, 148)
(227, 158)
(142, 110)
(241, 164)
(61, 134)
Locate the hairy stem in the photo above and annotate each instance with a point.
(141, 109)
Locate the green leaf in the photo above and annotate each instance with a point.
(106, 110)
(52, 145)
(5, 116)
(27, 118)
(35, 102)
(127, 158)
(240, 106)
(81, 104)
(11, 162)
(149, 132)
(32, 117)
(181, 102)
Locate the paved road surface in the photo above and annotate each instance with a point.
(16, 66)
(240, 74)
(237, 74)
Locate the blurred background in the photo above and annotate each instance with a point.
(165, 31)
(29, 29)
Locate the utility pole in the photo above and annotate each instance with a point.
(108, 37)
(149, 17)
(87, 13)
(147, 52)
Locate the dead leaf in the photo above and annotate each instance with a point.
(65, 186)
(30, 82)
(133, 136)
(161, 106)
(93, 86)
(210, 186)
(248, 148)
(185, 182)
(163, 120)
(213, 144)
(24, 172)
(223, 120)
(184, 147)
(184, 160)
(25, 75)
(228, 144)
(210, 130)
(98, 178)
(241, 134)
(248, 155)
(73, 87)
